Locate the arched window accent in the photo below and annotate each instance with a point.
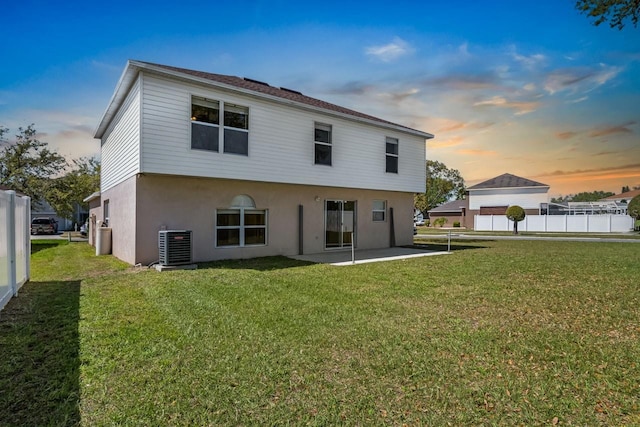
(243, 201)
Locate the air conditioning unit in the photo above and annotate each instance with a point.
(175, 247)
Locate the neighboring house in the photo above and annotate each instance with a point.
(253, 170)
(64, 224)
(622, 197)
(454, 211)
(494, 196)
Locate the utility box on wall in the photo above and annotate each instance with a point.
(175, 247)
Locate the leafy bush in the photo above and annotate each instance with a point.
(427, 223)
(440, 222)
(634, 207)
(456, 223)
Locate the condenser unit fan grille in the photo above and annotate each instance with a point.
(174, 247)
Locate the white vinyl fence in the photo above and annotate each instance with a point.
(557, 223)
(15, 244)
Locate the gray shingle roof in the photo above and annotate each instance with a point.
(628, 195)
(506, 181)
(452, 206)
(265, 88)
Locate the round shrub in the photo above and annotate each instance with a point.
(516, 214)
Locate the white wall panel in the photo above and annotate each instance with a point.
(527, 198)
(121, 142)
(281, 145)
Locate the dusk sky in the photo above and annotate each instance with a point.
(529, 88)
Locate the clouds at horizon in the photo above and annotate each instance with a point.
(521, 103)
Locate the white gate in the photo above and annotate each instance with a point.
(15, 244)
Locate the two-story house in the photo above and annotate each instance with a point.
(253, 170)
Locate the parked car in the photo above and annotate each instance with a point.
(84, 228)
(44, 226)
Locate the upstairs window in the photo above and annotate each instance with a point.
(205, 124)
(322, 145)
(392, 155)
(206, 132)
(236, 129)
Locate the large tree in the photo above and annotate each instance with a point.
(443, 184)
(616, 12)
(27, 165)
(66, 193)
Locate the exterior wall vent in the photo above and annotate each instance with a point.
(175, 247)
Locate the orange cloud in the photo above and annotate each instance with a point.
(452, 125)
(601, 174)
(472, 152)
(611, 130)
(500, 101)
(451, 142)
(566, 135)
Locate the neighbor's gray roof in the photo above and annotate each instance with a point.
(244, 84)
(506, 181)
(627, 195)
(453, 206)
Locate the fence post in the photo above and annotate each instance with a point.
(11, 241)
(27, 238)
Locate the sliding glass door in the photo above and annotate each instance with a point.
(340, 223)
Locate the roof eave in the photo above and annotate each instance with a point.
(504, 188)
(92, 197)
(122, 88)
(133, 67)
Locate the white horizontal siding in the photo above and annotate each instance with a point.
(121, 142)
(281, 147)
(527, 198)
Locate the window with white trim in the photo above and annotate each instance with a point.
(392, 155)
(206, 132)
(241, 227)
(322, 144)
(379, 210)
(205, 124)
(236, 129)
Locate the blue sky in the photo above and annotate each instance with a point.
(529, 88)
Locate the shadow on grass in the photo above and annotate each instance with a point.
(39, 366)
(261, 264)
(40, 246)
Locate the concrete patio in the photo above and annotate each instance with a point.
(343, 257)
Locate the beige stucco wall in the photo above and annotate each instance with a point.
(122, 219)
(175, 202)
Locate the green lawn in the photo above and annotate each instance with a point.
(497, 333)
